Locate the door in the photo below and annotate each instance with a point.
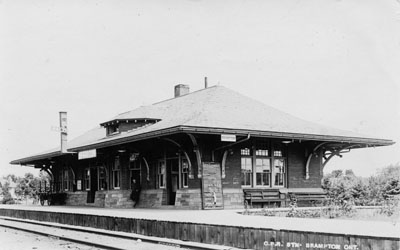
(172, 179)
(93, 185)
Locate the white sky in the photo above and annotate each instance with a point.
(332, 62)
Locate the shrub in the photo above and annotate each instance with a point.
(8, 200)
(391, 206)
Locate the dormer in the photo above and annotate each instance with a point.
(118, 126)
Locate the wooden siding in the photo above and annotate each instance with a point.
(234, 236)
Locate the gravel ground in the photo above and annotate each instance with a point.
(11, 239)
(18, 240)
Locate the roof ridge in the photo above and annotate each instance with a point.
(190, 93)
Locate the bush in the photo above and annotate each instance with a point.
(8, 200)
(391, 206)
(361, 191)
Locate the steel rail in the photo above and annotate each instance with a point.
(148, 239)
(70, 239)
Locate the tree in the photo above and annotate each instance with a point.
(373, 190)
(349, 172)
(5, 191)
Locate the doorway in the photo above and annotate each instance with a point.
(172, 179)
(93, 185)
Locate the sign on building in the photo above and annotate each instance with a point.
(228, 137)
(87, 154)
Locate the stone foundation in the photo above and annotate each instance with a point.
(117, 199)
(152, 198)
(99, 200)
(111, 198)
(233, 198)
(76, 198)
(188, 198)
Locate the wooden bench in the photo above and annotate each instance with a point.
(262, 196)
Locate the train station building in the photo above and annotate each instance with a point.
(209, 149)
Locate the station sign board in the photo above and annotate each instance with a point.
(86, 154)
(228, 137)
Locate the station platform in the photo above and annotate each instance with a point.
(262, 231)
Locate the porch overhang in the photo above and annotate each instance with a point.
(33, 160)
(358, 142)
(366, 142)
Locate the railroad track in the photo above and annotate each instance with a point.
(100, 238)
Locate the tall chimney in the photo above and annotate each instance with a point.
(181, 89)
(205, 82)
(63, 131)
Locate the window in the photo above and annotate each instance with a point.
(247, 167)
(184, 173)
(245, 151)
(247, 171)
(102, 178)
(264, 166)
(262, 152)
(161, 174)
(65, 180)
(113, 129)
(87, 178)
(116, 170)
(278, 150)
(263, 172)
(60, 181)
(279, 170)
(135, 170)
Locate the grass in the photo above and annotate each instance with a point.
(389, 211)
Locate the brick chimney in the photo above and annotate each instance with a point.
(181, 89)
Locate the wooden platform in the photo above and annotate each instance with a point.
(221, 227)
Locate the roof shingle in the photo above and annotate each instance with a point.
(219, 108)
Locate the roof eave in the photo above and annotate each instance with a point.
(30, 159)
(365, 142)
(118, 141)
(40, 157)
(294, 136)
(368, 142)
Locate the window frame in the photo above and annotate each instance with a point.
(102, 180)
(86, 178)
(184, 176)
(262, 173)
(60, 181)
(271, 150)
(65, 181)
(135, 166)
(282, 174)
(161, 175)
(116, 173)
(244, 170)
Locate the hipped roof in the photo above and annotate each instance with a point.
(212, 110)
